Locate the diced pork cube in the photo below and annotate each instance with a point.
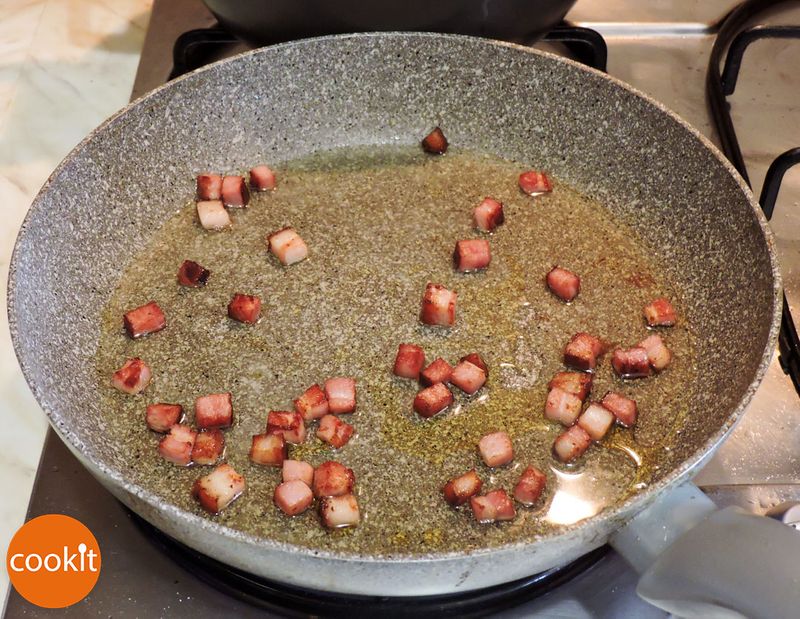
(576, 383)
(439, 371)
(212, 215)
(262, 178)
(631, 362)
(192, 275)
(144, 320)
(208, 447)
(332, 479)
(287, 246)
(176, 447)
(562, 406)
(471, 255)
(596, 420)
(289, 424)
(432, 400)
(219, 488)
(162, 416)
(438, 306)
(409, 361)
(435, 143)
(624, 409)
(458, 490)
(334, 431)
(341, 394)
(293, 497)
(571, 443)
(660, 313)
(297, 469)
(496, 449)
(214, 411)
(209, 186)
(530, 486)
(475, 359)
(582, 351)
(488, 215)
(312, 404)
(563, 283)
(245, 308)
(268, 449)
(133, 377)
(657, 352)
(493, 506)
(534, 182)
(468, 377)
(337, 512)
(235, 192)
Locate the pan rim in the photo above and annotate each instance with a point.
(621, 511)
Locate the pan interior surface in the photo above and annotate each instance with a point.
(605, 142)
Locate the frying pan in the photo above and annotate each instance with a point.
(596, 134)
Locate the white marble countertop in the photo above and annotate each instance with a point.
(64, 67)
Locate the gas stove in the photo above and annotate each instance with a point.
(663, 50)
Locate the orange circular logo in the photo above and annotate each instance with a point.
(53, 561)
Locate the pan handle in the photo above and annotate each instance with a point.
(697, 561)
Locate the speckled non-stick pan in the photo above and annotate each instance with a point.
(654, 173)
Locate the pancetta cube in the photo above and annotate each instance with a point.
(658, 354)
(471, 255)
(312, 404)
(212, 215)
(475, 359)
(488, 215)
(297, 469)
(332, 479)
(496, 449)
(334, 431)
(576, 383)
(596, 420)
(245, 308)
(293, 497)
(439, 371)
(143, 320)
(133, 377)
(571, 444)
(262, 178)
(208, 446)
(562, 406)
(435, 143)
(623, 408)
(530, 486)
(209, 186)
(631, 362)
(287, 246)
(289, 424)
(582, 351)
(341, 394)
(458, 490)
(176, 447)
(409, 361)
(494, 506)
(468, 377)
(337, 512)
(213, 411)
(162, 416)
(219, 488)
(192, 275)
(268, 449)
(660, 313)
(534, 182)
(235, 192)
(438, 306)
(563, 283)
(432, 400)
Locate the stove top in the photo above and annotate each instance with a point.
(662, 52)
